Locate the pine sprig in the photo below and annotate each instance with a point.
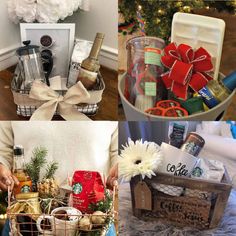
(104, 205)
(51, 170)
(38, 160)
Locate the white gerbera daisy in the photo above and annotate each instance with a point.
(139, 158)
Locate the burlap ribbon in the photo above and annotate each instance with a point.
(26, 206)
(54, 101)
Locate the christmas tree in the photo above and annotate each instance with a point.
(157, 14)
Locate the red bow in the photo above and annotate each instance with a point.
(187, 69)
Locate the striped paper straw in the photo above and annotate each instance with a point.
(141, 23)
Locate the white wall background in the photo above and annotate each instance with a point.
(9, 31)
(9, 37)
(102, 17)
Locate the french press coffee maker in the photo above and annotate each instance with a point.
(30, 65)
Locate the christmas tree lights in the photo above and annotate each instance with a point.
(157, 14)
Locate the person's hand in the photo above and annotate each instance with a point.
(7, 178)
(113, 176)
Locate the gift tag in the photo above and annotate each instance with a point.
(153, 56)
(150, 88)
(142, 196)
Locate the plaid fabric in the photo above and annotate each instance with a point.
(27, 111)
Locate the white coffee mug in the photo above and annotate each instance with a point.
(61, 227)
(175, 162)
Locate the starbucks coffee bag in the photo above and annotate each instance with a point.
(87, 188)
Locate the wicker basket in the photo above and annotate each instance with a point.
(26, 110)
(201, 204)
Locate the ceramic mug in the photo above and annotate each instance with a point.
(61, 227)
(175, 162)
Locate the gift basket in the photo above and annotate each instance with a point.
(26, 106)
(63, 220)
(70, 97)
(171, 183)
(180, 80)
(40, 206)
(203, 210)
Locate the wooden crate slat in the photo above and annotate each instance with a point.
(189, 183)
(184, 210)
(218, 211)
(195, 212)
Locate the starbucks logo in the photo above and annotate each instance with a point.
(25, 189)
(191, 147)
(77, 188)
(197, 172)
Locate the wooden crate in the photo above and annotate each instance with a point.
(202, 208)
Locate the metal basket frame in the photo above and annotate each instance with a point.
(27, 111)
(98, 229)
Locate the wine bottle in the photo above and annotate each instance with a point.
(90, 66)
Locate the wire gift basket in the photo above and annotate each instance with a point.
(25, 106)
(57, 222)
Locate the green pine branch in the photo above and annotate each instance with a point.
(51, 170)
(38, 160)
(104, 205)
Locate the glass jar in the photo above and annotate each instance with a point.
(29, 207)
(32, 199)
(143, 81)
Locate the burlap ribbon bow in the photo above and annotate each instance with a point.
(56, 102)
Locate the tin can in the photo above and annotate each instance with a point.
(230, 81)
(208, 97)
(193, 144)
(220, 92)
(214, 93)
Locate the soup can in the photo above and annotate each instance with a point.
(193, 144)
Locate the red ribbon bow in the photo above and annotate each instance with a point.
(188, 68)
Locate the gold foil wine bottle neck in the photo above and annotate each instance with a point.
(94, 53)
(91, 63)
